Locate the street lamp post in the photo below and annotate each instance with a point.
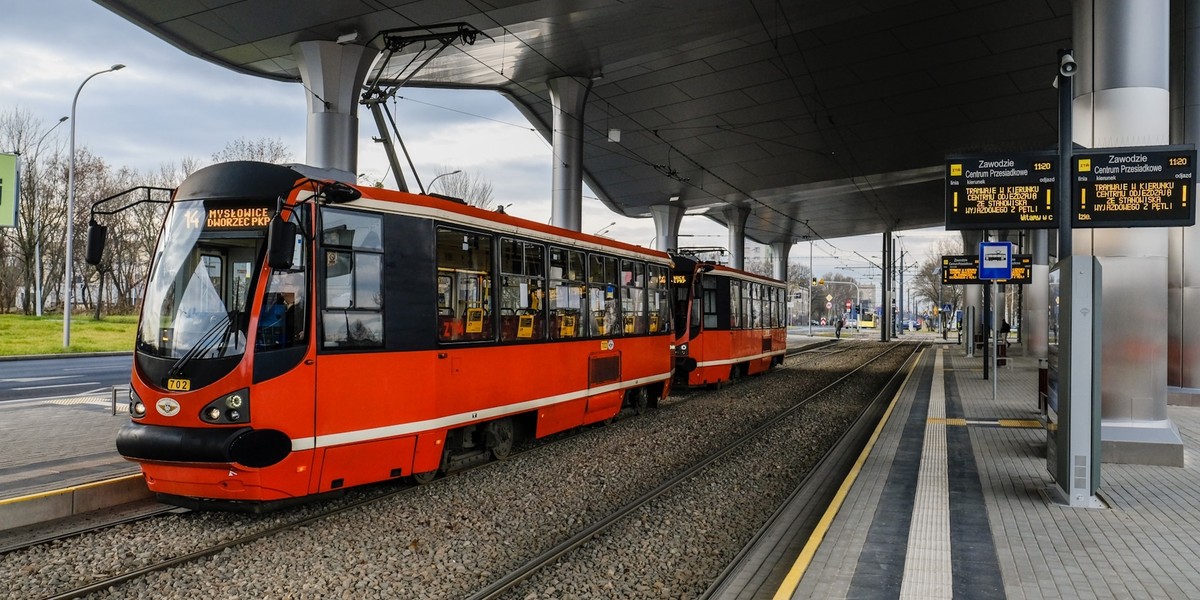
(37, 220)
(454, 172)
(70, 262)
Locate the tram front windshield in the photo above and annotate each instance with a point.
(198, 294)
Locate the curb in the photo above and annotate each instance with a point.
(64, 355)
(75, 500)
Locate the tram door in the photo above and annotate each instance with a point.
(285, 355)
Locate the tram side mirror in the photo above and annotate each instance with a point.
(282, 243)
(96, 234)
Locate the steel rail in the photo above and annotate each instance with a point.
(527, 570)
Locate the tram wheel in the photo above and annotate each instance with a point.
(639, 400)
(424, 478)
(501, 438)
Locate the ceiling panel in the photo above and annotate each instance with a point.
(824, 118)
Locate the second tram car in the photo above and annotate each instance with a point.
(728, 323)
(301, 336)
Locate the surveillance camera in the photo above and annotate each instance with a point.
(1067, 66)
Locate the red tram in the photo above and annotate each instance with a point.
(728, 323)
(301, 336)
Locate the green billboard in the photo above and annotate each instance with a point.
(8, 190)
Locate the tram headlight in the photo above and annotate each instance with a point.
(137, 409)
(233, 407)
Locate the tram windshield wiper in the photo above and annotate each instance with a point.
(219, 331)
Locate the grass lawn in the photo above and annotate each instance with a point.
(21, 335)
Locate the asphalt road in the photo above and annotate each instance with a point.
(62, 377)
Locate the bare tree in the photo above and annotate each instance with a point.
(27, 136)
(261, 149)
(470, 187)
(927, 281)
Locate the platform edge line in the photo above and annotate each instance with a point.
(792, 580)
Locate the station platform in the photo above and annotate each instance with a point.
(951, 501)
(58, 458)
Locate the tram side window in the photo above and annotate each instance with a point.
(352, 316)
(768, 307)
(764, 303)
(522, 290)
(750, 306)
(658, 295)
(633, 297)
(464, 263)
(746, 319)
(779, 307)
(735, 304)
(773, 306)
(602, 295)
(283, 321)
(709, 302)
(567, 295)
(773, 294)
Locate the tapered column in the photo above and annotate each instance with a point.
(568, 96)
(735, 220)
(667, 218)
(779, 259)
(333, 76)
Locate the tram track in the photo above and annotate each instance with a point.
(508, 582)
(223, 533)
(213, 549)
(97, 522)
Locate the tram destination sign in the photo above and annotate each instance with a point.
(963, 269)
(1001, 191)
(1134, 187)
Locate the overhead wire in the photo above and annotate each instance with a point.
(670, 147)
(627, 153)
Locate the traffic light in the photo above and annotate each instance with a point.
(818, 281)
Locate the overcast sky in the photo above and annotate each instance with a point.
(167, 105)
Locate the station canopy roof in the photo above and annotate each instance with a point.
(826, 119)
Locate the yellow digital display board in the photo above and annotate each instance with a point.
(1132, 187)
(1008, 191)
(237, 218)
(962, 269)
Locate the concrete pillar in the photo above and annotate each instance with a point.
(1122, 99)
(735, 219)
(666, 225)
(568, 96)
(333, 76)
(1035, 317)
(1183, 275)
(973, 294)
(779, 256)
(885, 293)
